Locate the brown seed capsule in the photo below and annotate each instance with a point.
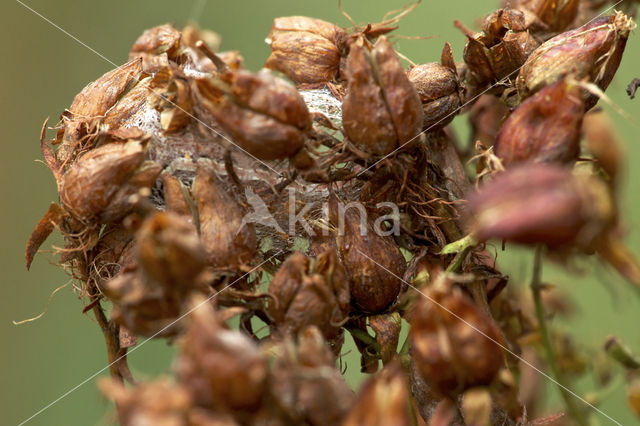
(154, 42)
(310, 291)
(222, 369)
(373, 262)
(98, 186)
(382, 400)
(439, 89)
(500, 49)
(150, 403)
(486, 118)
(169, 250)
(382, 110)
(306, 50)
(450, 355)
(306, 383)
(592, 51)
(551, 16)
(263, 114)
(542, 203)
(228, 240)
(544, 128)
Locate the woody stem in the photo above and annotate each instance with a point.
(536, 287)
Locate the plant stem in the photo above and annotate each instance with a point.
(536, 287)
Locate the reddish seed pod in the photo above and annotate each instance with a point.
(381, 110)
(310, 291)
(544, 128)
(500, 49)
(229, 242)
(222, 369)
(98, 186)
(449, 354)
(485, 118)
(542, 203)
(383, 400)
(306, 50)
(439, 89)
(169, 250)
(373, 262)
(592, 51)
(263, 114)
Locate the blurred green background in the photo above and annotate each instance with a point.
(42, 69)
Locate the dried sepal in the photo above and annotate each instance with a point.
(387, 329)
(52, 218)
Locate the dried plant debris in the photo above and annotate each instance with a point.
(325, 198)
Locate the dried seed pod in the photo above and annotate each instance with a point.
(552, 15)
(499, 50)
(228, 240)
(544, 128)
(310, 291)
(97, 187)
(592, 51)
(141, 304)
(306, 50)
(306, 384)
(439, 89)
(263, 114)
(222, 369)
(382, 400)
(151, 403)
(373, 262)
(450, 355)
(382, 110)
(163, 39)
(486, 118)
(542, 203)
(170, 250)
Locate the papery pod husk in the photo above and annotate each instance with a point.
(542, 203)
(374, 263)
(551, 16)
(141, 304)
(306, 384)
(178, 198)
(263, 114)
(310, 291)
(154, 44)
(592, 51)
(97, 186)
(387, 329)
(439, 89)
(158, 402)
(229, 241)
(383, 400)
(381, 110)
(499, 50)
(545, 128)
(222, 369)
(306, 50)
(170, 251)
(449, 354)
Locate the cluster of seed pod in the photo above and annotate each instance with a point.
(175, 172)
